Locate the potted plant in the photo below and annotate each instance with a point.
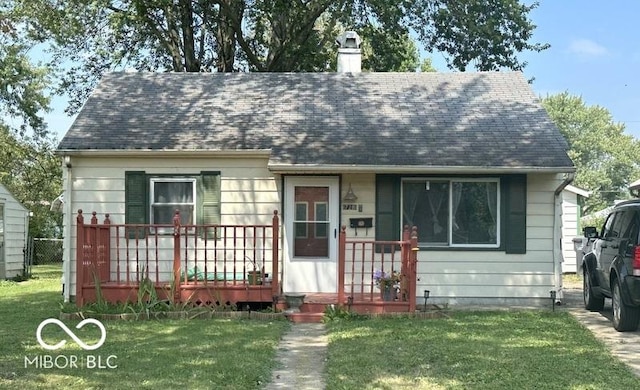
(388, 283)
(254, 274)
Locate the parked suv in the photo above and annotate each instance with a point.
(612, 266)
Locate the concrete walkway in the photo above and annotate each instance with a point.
(301, 355)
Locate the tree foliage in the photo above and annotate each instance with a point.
(607, 160)
(22, 84)
(31, 171)
(270, 35)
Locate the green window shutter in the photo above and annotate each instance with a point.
(208, 199)
(515, 229)
(136, 198)
(387, 208)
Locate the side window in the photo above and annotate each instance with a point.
(169, 195)
(634, 230)
(608, 227)
(631, 234)
(623, 223)
(154, 199)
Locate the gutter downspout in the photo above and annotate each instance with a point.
(67, 227)
(557, 236)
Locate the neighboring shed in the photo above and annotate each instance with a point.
(14, 230)
(571, 213)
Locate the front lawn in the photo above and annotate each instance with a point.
(472, 350)
(158, 354)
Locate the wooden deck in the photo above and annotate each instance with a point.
(113, 260)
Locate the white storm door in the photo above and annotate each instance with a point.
(311, 226)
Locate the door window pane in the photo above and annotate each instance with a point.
(301, 220)
(313, 222)
(322, 221)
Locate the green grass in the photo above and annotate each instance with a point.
(159, 354)
(472, 350)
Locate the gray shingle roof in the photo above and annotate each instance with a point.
(490, 119)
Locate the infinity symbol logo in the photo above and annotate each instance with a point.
(68, 331)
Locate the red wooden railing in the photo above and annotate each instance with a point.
(126, 254)
(360, 259)
(93, 252)
(189, 255)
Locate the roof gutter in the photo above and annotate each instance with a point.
(557, 236)
(408, 169)
(181, 153)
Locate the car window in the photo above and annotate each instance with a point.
(608, 226)
(623, 223)
(631, 233)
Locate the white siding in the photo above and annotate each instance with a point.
(570, 230)
(249, 192)
(468, 277)
(363, 186)
(15, 234)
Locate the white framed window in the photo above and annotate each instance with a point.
(321, 217)
(169, 195)
(300, 222)
(453, 212)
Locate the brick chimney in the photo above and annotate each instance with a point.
(349, 55)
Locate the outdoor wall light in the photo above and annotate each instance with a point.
(350, 196)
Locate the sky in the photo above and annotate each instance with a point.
(594, 54)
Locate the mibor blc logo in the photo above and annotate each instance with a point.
(62, 361)
(103, 334)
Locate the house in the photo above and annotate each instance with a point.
(471, 159)
(572, 200)
(14, 232)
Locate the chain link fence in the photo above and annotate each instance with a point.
(44, 251)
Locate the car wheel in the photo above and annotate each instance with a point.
(591, 301)
(625, 318)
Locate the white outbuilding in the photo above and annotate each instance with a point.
(14, 231)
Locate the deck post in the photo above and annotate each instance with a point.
(406, 269)
(79, 258)
(103, 249)
(413, 268)
(342, 258)
(275, 258)
(176, 256)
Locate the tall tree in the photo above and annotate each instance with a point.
(270, 35)
(607, 160)
(22, 84)
(32, 172)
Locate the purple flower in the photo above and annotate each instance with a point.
(385, 279)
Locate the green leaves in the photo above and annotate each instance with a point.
(90, 38)
(487, 33)
(31, 171)
(606, 158)
(22, 84)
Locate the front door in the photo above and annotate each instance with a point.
(311, 227)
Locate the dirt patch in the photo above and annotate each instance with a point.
(572, 281)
